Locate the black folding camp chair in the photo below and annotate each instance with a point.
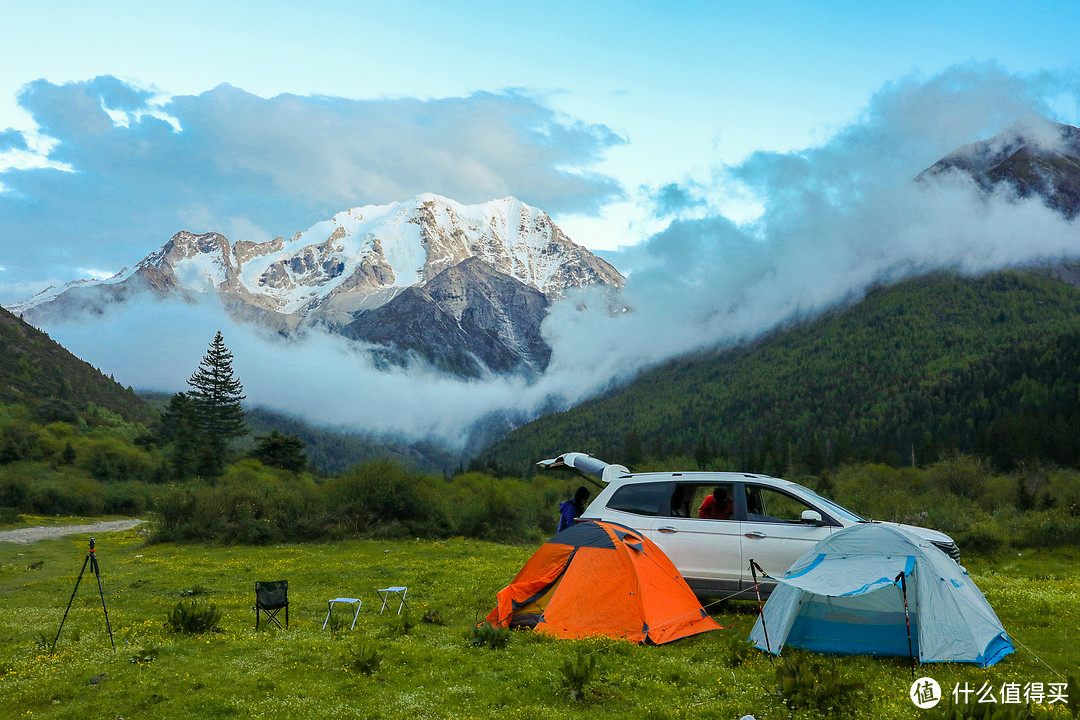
(270, 598)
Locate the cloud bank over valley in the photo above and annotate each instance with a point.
(835, 219)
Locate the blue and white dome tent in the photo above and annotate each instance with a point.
(843, 596)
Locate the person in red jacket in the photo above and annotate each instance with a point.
(716, 506)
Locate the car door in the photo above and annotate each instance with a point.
(706, 551)
(773, 533)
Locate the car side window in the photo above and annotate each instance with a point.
(642, 498)
(768, 505)
(695, 501)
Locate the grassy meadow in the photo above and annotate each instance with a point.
(428, 668)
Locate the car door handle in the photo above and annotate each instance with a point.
(755, 534)
(667, 529)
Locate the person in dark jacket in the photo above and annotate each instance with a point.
(570, 510)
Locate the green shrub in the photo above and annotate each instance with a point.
(126, 498)
(60, 495)
(739, 651)
(962, 475)
(803, 684)
(577, 672)
(110, 458)
(500, 509)
(20, 441)
(17, 491)
(487, 635)
(983, 536)
(363, 659)
(401, 624)
(380, 498)
(433, 617)
(54, 410)
(1047, 528)
(193, 618)
(174, 510)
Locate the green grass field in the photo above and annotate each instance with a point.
(429, 669)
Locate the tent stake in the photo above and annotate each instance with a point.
(761, 609)
(902, 579)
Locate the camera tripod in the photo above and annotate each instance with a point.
(91, 559)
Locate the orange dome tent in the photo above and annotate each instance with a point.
(601, 578)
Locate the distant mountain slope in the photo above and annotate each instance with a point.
(33, 368)
(1037, 157)
(904, 372)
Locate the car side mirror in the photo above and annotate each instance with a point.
(811, 517)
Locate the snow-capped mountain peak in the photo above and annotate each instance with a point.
(358, 260)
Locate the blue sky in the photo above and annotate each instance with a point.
(591, 109)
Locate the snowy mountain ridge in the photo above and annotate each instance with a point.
(362, 259)
(368, 253)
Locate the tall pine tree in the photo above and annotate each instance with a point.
(216, 397)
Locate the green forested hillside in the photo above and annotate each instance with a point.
(36, 371)
(915, 370)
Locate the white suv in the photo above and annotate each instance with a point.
(764, 519)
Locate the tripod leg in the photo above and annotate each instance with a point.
(101, 591)
(70, 601)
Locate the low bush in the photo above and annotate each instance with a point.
(363, 659)
(962, 475)
(983, 537)
(739, 651)
(193, 618)
(577, 672)
(490, 508)
(382, 499)
(1048, 528)
(804, 684)
(487, 635)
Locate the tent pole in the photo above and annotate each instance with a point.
(902, 579)
(761, 609)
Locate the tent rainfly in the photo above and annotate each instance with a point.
(601, 578)
(844, 596)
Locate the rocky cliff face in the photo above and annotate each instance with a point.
(511, 261)
(468, 319)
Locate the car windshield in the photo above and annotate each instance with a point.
(833, 507)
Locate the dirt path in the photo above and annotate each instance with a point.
(25, 536)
